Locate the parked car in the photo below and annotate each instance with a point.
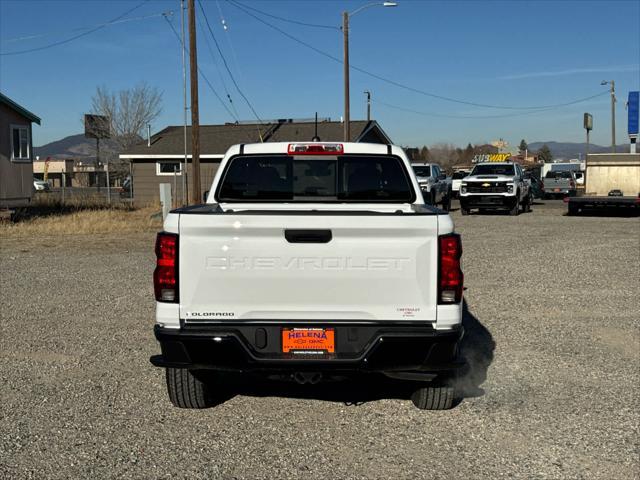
(433, 182)
(309, 261)
(559, 184)
(495, 186)
(456, 180)
(41, 186)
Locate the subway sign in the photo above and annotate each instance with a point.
(491, 157)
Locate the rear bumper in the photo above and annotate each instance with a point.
(396, 350)
(488, 201)
(604, 201)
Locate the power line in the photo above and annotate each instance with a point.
(400, 85)
(227, 37)
(204, 77)
(443, 115)
(224, 61)
(75, 37)
(106, 24)
(288, 20)
(215, 62)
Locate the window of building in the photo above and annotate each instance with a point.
(20, 144)
(169, 167)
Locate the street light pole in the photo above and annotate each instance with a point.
(347, 113)
(368, 94)
(345, 35)
(612, 89)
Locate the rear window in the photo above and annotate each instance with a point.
(488, 169)
(422, 171)
(356, 178)
(553, 174)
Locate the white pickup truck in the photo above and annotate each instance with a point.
(309, 261)
(496, 185)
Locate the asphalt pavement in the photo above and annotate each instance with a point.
(552, 316)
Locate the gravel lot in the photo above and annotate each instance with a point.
(553, 314)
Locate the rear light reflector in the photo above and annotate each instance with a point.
(316, 149)
(450, 276)
(165, 276)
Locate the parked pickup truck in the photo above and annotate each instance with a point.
(309, 261)
(434, 183)
(495, 185)
(559, 184)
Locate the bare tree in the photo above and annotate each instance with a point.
(129, 112)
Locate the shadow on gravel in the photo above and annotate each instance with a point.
(477, 349)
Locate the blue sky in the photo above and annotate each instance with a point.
(514, 53)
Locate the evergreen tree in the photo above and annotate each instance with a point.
(544, 153)
(424, 153)
(523, 146)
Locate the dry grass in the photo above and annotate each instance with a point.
(85, 222)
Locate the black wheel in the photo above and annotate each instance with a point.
(515, 210)
(573, 209)
(527, 203)
(446, 202)
(188, 391)
(433, 398)
(464, 210)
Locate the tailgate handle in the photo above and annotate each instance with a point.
(308, 236)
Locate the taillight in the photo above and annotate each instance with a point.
(165, 276)
(572, 184)
(315, 149)
(450, 276)
(542, 185)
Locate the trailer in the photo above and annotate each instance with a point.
(612, 182)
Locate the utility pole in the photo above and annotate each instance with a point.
(185, 195)
(347, 113)
(612, 89)
(195, 120)
(368, 94)
(613, 116)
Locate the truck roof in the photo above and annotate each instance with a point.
(283, 147)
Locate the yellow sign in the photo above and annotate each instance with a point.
(491, 157)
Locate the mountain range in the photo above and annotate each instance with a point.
(77, 146)
(570, 150)
(73, 146)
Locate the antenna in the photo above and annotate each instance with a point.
(316, 138)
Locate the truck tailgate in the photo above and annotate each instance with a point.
(241, 267)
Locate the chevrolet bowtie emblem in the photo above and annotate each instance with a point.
(486, 184)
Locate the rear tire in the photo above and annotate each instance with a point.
(573, 210)
(446, 202)
(515, 211)
(187, 391)
(464, 210)
(433, 398)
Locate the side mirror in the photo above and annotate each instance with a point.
(204, 196)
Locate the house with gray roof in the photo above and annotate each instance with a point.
(160, 159)
(16, 158)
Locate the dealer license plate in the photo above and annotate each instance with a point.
(556, 189)
(308, 340)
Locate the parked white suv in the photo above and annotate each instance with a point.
(495, 185)
(309, 261)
